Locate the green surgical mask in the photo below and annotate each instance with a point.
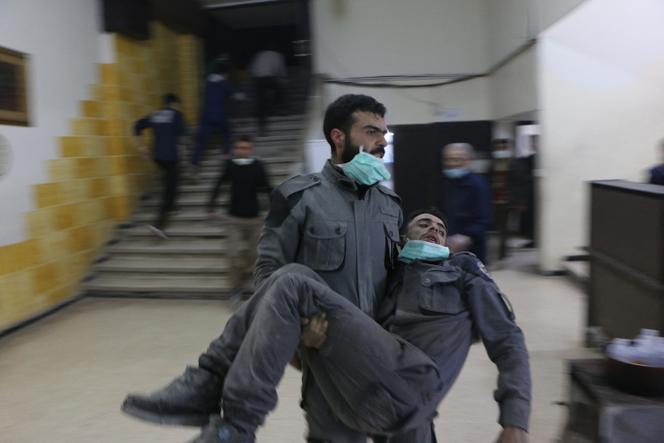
(365, 169)
(421, 250)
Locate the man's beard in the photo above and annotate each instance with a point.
(349, 152)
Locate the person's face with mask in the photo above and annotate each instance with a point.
(455, 159)
(427, 227)
(243, 149)
(368, 130)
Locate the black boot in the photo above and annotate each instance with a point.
(188, 400)
(219, 431)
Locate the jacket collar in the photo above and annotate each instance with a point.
(335, 174)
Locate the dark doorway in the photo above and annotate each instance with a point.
(417, 162)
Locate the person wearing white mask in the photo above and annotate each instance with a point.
(247, 177)
(466, 200)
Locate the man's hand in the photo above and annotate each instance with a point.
(512, 434)
(314, 331)
(459, 242)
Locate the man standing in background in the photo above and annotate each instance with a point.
(466, 201)
(268, 70)
(168, 126)
(214, 115)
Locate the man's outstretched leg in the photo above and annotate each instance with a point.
(193, 397)
(377, 381)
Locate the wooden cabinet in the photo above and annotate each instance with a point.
(626, 291)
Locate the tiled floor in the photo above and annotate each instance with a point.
(62, 380)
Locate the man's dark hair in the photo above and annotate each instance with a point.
(339, 114)
(430, 210)
(220, 66)
(243, 138)
(170, 98)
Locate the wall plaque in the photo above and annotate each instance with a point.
(13, 88)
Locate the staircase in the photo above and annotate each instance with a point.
(192, 263)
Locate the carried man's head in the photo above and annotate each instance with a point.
(352, 121)
(427, 225)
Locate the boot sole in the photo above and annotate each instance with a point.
(197, 420)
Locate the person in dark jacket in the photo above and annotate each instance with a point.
(390, 373)
(247, 177)
(466, 200)
(214, 116)
(341, 223)
(168, 126)
(657, 173)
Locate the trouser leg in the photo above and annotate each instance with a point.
(202, 137)
(215, 192)
(424, 433)
(169, 185)
(261, 102)
(373, 381)
(252, 232)
(235, 246)
(227, 136)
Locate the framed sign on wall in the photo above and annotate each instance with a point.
(13, 88)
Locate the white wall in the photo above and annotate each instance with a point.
(63, 41)
(393, 37)
(511, 23)
(513, 88)
(387, 37)
(602, 108)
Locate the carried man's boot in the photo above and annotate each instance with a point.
(189, 400)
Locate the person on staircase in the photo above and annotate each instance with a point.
(247, 177)
(168, 126)
(214, 115)
(268, 71)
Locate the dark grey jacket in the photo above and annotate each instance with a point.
(347, 233)
(442, 308)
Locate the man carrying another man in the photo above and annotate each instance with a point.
(382, 379)
(343, 226)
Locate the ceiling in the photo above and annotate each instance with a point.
(239, 14)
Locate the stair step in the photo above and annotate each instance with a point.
(181, 230)
(158, 284)
(275, 160)
(272, 119)
(159, 264)
(186, 215)
(172, 246)
(274, 127)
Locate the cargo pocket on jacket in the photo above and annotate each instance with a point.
(440, 293)
(324, 246)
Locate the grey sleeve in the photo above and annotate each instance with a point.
(505, 345)
(280, 235)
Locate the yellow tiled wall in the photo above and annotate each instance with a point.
(99, 174)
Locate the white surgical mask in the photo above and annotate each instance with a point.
(502, 154)
(365, 169)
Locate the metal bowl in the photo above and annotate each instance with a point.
(636, 378)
